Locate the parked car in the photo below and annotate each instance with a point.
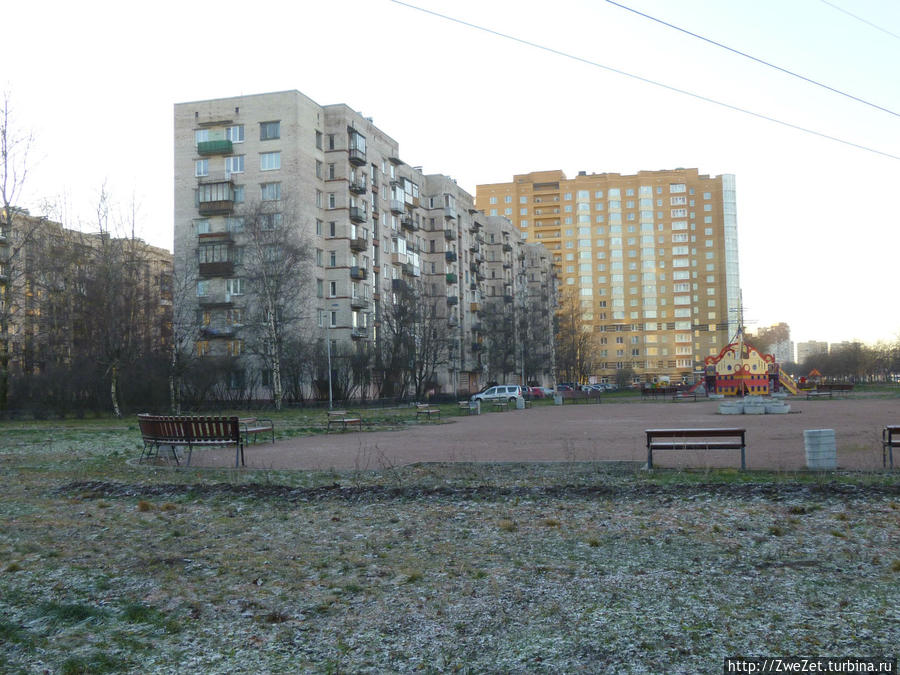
(499, 393)
(535, 392)
(548, 391)
(563, 387)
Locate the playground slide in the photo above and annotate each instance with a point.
(788, 383)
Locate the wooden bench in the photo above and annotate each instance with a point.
(581, 396)
(684, 396)
(819, 394)
(427, 411)
(501, 404)
(468, 407)
(191, 432)
(342, 418)
(890, 439)
(253, 426)
(696, 439)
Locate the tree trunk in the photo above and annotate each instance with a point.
(277, 391)
(113, 389)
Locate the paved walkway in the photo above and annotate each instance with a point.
(587, 432)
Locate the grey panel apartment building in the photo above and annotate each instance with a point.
(379, 232)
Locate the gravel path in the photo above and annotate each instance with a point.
(589, 432)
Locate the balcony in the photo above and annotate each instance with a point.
(358, 187)
(359, 303)
(406, 222)
(359, 244)
(357, 157)
(223, 268)
(451, 278)
(357, 215)
(359, 333)
(408, 269)
(215, 300)
(399, 284)
(397, 206)
(450, 256)
(358, 273)
(223, 147)
(507, 298)
(4, 275)
(476, 347)
(453, 321)
(218, 331)
(215, 195)
(4, 238)
(474, 247)
(507, 265)
(452, 300)
(450, 212)
(474, 306)
(507, 248)
(449, 235)
(476, 327)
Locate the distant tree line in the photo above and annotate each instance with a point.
(856, 362)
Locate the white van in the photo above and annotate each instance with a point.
(503, 392)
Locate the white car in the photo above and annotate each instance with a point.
(503, 392)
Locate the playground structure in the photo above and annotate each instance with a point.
(739, 369)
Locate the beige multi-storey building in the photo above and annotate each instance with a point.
(810, 348)
(49, 285)
(653, 258)
(379, 227)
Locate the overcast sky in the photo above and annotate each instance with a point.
(96, 83)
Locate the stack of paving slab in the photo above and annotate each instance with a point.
(754, 405)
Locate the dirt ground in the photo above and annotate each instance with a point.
(589, 432)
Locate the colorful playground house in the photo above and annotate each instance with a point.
(740, 370)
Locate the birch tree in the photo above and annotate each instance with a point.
(275, 263)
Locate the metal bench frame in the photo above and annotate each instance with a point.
(191, 432)
(696, 439)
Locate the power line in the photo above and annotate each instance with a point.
(859, 18)
(646, 80)
(758, 60)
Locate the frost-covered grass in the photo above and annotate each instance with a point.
(108, 567)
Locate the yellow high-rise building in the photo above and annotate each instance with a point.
(653, 258)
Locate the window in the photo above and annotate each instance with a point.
(201, 226)
(332, 259)
(269, 161)
(202, 288)
(234, 164)
(319, 140)
(238, 194)
(234, 286)
(235, 134)
(318, 169)
(320, 288)
(201, 136)
(677, 187)
(201, 167)
(332, 292)
(331, 200)
(270, 192)
(202, 347)
(269, 130)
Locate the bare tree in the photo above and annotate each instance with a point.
(574, 339)
(276, 258)
(414, 340)
(14, 241)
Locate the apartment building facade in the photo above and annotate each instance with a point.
(380, 231)
(51, 289)
(652, 257)
(810, 348)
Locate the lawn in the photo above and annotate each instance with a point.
(110, 567)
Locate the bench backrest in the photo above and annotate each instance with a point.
(189, 428)
(695, 433)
